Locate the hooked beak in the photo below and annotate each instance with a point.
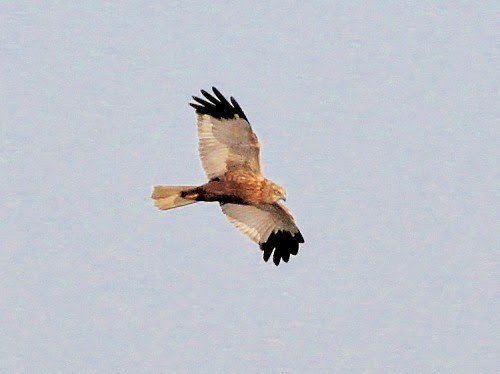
(283, 198)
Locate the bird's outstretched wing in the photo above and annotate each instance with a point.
(270, 225)
(226, 140)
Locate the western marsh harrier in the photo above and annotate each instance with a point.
(229, 152)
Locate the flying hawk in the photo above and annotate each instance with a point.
(229, 152)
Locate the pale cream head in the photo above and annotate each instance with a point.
(278, 192)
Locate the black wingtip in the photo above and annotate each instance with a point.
(216, 91)
(217, 106)
(283, 243)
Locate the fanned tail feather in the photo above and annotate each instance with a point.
(169, 197)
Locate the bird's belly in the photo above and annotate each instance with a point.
(237, 192)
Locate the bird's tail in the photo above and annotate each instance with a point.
(169, 197)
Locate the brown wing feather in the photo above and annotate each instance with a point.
(270, 225)
(226, 139)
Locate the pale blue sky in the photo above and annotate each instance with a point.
(379, 118)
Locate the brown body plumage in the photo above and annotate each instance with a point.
(244, 189)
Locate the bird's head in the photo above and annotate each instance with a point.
(278, 192)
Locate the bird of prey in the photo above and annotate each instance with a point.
(229, 152)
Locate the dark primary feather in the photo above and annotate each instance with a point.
(283, 243)
(218, 106)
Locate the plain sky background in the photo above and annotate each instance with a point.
(379, 118)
